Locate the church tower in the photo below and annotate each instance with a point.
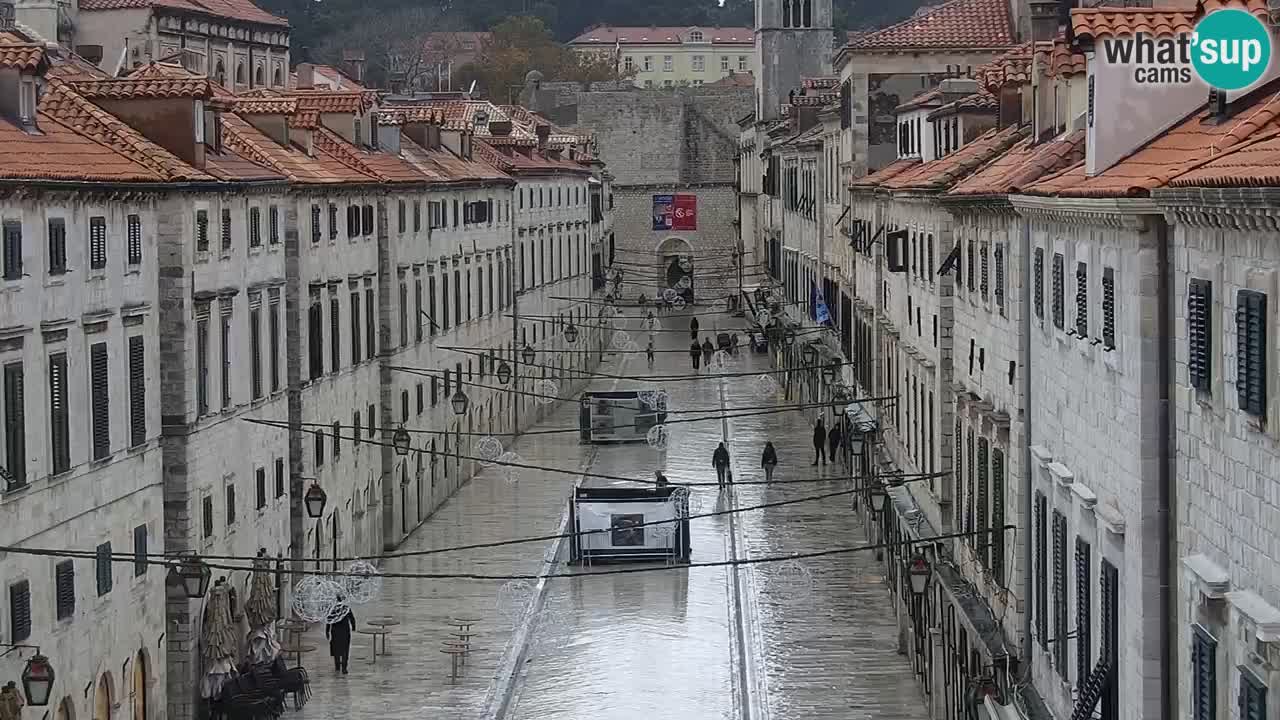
(794, 40)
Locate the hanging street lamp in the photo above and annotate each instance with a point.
(528, 354)
(504, 373)
(37, 680)
(192, 574)
(829, 373)
(809, 355)
(315, 500)
(789, 337)
(919, 571)
(459, 401)
(571, 333)
(876, 497)
(401, 441)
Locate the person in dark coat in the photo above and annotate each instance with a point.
(695, 354)
(819, 443)
(768, 461)
(693, 329)
(834, 436)
(339, 635)
(661, 479)
(720, 458)
(707, 349)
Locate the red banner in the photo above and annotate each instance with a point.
(685, 215)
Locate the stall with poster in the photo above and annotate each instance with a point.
(620, 415)
(628, 524)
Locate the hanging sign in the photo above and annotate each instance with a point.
(675, 212)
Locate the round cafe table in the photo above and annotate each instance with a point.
(382, 623)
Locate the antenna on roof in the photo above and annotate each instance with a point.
(471, 90)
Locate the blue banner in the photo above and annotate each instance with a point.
(818, 308)
(663, 212)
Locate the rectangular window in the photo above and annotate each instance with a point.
(335, 332)
(333, 221)
(260, 488)
(273, 220)
(355, 327)
(1108, 308)
(457, 297)
(226, 229)
(202, 359)
(417, 310)
(133, 249)
(404, 314)
(999, 270)
(140, 550)
(421, 399)
(431, 305)
(64, 583)
(273, 342)
(337, 441)
(1204, 674)
(370, 327)
(255, 227)
(1084, 610)
(668, 63)
(224, 343)
(1082, 300)
(102, 568)
(1037, 284)
(417, 216)
(137, 390)
(1109, 648)
(402, 216)
(20, 611)
(957, 503)
(231, 504)
(99, 400)
(1060, 593)
(206, 516)
(12, 230)
(724, 63)
(202, 230)
(1253, 697)
(1251, 351)
(372, 415)
(366, 220)
(1042, 570)
(315, 339)
(316, 230)
(353, 221)
(57, 246)
(742, 63)
(996, 539)
(1199, 329)
(255, 348)
(15, 441)
(1059, 300)
(97, 242)
(699, 63)
(983, 285)
(279, 477)
(983, 492)
(443, 320)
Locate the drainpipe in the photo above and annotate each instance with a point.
(1167, 490)
(1024, 359)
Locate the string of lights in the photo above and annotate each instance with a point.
(486, 352)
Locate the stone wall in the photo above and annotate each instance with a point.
(715, 238)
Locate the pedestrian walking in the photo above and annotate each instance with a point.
(769, 461)
(693, 329)
(339, 634)
(648, 354)
(720, 458)
(707, 349)
(833, 442)
(661, 479)
(695, 354)
(819, 443)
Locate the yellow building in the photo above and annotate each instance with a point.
(673, 56)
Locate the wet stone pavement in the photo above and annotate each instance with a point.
(760, 641)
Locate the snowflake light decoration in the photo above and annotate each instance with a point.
(766, 385)
(315, 597)
(658, 437)
(362, 583)
(509, 463)
(547, 391)
(513, 597)
(488, 449)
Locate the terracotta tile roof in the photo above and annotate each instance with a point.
(305, 120)
(1252, 164)
(62, 152)
(293, 162)
(66, 65)
(1024, 163)
(408, 114)
(196, 87)
(974, 24)
(891, 170)
(63, 103)
(932, 98)
(385, 167)
(325, 101)
(944, 172)
(265, 106)
(664, 36)
(443, 164)
(1176, 152)
(242, 10)
(979, 102)
(1094, 23)
(21, 56)
(161, 71)
(230, 166)
(1066, 59)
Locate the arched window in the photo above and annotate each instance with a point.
(241, 75)
(104, 699)
(786, 13)
(66, 709)
(141, 681)
(795, 13)
(220, 73)
(259, 77)
(695, 36)
(277, 78)
(807, 20)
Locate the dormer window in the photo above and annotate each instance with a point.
(481, 119)
(27, 101)
(695, 36)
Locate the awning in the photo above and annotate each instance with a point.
(860, 420)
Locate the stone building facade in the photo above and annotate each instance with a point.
(665, 57)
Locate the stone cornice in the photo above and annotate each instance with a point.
(1126, 213)
(977, 204)
(1241, 209)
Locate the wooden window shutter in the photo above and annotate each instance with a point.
(133, 250)
(1204, 675)
(1110, 647)
(1060, 593)
(314, 340)
(355, 327)
(372, 428)
(1253, 698)
(972, 260)
(100, 401)
(957, 502)
(1037, 288)
(983, 499)
(1199, 329)
(260, 487)
(137, 390)
(971, 490)
(333, 221)
(1082, 300)
(370, 325)
(64, 582)
(1108, 308)
(255, 227)
(402, 216)
(999, 262)
(279, 477)
(366, 220)
(357, 426)
(12, 250)
(1084, 610)
(1059, 301)
(337, 440)
(318, 436)
(335, 333)
(231, 503)
(1251, 351)
(97, 243)
(984, 284)
(20, 611)
(273, 220)
(226, 229)
(140, 550)
(1042, 571)
(102, 568)
(997, 516)
(206, 516)
(315, 223)
(57, 246)
(15, 425)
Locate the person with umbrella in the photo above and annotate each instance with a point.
(339, 635)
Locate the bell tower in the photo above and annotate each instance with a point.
(794, 40)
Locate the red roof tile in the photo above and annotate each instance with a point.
(196, 87)
(891, 170)
(447, 167)
(385, 167)
(1179, 150)
(1066, 59)
(62, 152)
(944, 172)
(230, 166)
(972, 24)
(265, 106)
(21, 56)
(664, 36)
(292, 162)
(1094, 23)
(1024, 163)
(1252, 164)
(242, 10)
(932, 98)
(161, 71)
(325, 101)
(979, 102)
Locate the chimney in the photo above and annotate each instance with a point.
(353, 60)
(955, 88)
(388, 134)
(274, 126)
(306, 76)
(1010, 106)
(1045, 19)
(544, 132)
(168, 122)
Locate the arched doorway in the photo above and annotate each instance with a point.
(66, 709)
(675, 267)
(141, 679)
(104, 699)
